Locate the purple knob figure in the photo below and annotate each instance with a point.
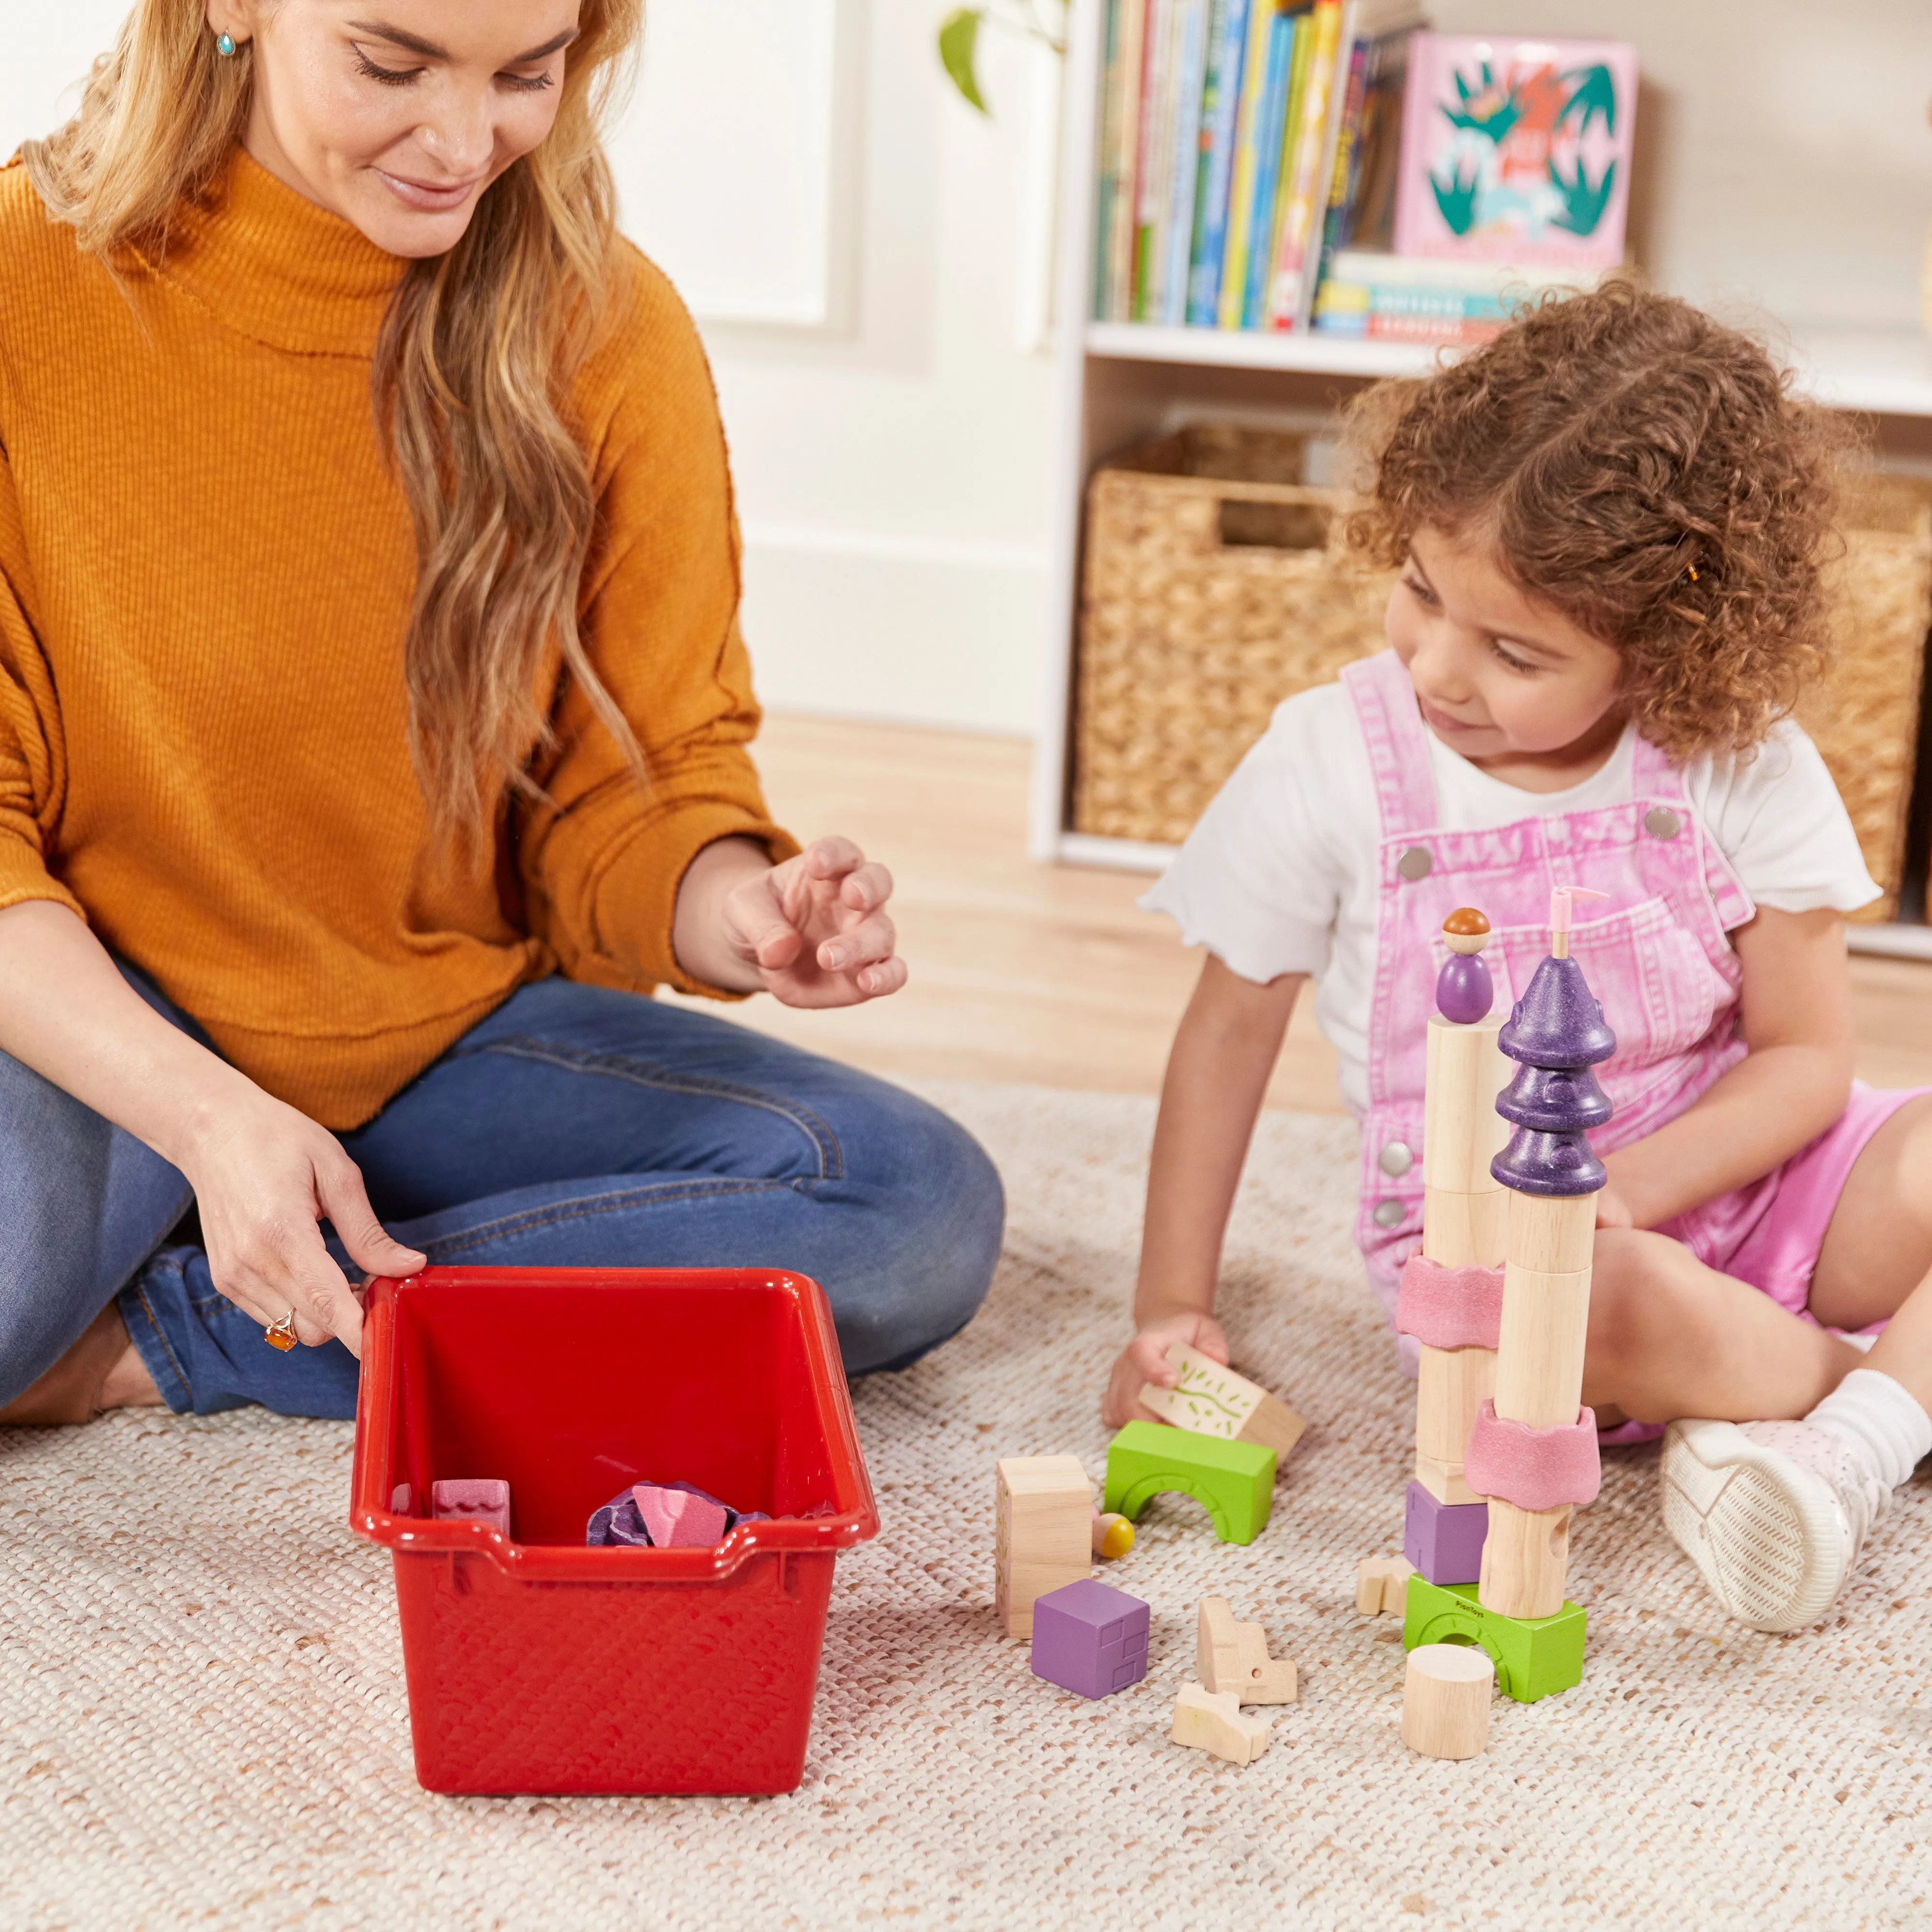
(1464, 991)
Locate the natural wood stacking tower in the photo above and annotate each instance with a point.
(1494, 1576)
(1556, 1034)
(1464, 1225)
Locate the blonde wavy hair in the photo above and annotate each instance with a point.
(472, 385)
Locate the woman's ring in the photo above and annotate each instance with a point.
(281, 1334)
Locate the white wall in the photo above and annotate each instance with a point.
(893, 467)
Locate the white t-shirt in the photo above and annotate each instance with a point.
(1279, 876)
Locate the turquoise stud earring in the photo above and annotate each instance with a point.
(225, 45)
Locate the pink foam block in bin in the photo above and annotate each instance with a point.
(678, 1519)
(483, 1499)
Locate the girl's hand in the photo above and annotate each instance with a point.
(263, 1176)
(1612, 1210)
(813, 930)
(1144, 1359)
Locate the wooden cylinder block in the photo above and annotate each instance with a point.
(1452, 1385)
(1445, 1699)
(1465, 1230)
(1461, 1131)
(1552, 1234)
(1539, 1376)
(1526, 1561)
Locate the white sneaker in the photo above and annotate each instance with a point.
(1773, 1514)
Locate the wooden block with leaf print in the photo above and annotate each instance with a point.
(1214, 1401)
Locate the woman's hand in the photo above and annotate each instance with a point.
(264, 1176)
(812, 931)
(1144, 1359)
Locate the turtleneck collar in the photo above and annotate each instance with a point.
(272, 265)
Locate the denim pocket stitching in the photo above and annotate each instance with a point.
(586, 1206)
(645, 1073)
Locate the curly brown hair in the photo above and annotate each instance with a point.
(1644, 470)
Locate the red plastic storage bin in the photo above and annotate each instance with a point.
(536, 1664)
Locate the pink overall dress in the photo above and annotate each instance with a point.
(1655, 953)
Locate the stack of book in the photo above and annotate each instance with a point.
(1414, 299)
(1260, 159)
(1241, 141)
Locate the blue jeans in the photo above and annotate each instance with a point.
(575, 1127)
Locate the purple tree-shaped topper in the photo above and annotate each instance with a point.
(1556, 1034)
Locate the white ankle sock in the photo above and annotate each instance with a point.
(1881, 1420)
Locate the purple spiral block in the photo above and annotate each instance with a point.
(1555, 1099)
(1464, 990)
(1558, 1021)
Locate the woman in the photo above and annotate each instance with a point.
(373, 718)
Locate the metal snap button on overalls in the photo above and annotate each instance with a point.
(1396, 1160)
(1388, 1213)
(1415, 863)
(1660, 822)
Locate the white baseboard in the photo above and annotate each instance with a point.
(913, 630)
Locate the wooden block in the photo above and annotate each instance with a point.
(1461, 1131)
(1451, 1387)
(1443, 1480)
(1234, 1480)
(1526, 1561)
(1382, 1585)
(1204, 1721)
(1539, 1377)
(1445, 1699)
(1042, 1534)
(1533, 1657)
(1552, 1234)
(1465, 1230)
(1234, 1656)
(1212, 1400)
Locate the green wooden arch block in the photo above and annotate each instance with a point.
(1235, 1481)
(1534, 1656)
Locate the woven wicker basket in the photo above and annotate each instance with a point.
(1217, 585)
(1864, 717)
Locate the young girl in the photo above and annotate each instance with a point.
(1608, 525)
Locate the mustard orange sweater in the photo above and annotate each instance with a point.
(206, 574)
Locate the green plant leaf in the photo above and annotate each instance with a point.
(958, 48)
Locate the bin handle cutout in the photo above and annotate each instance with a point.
(1247, 524)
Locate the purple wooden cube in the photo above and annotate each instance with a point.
(480, 1499)
(1088, 1636)
(1444, 1540)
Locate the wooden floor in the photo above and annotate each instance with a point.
(1051, 973)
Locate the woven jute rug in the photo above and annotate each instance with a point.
(205, 1721)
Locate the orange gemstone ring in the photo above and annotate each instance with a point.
(281, 1334)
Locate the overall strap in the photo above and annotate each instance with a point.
(1654, 777)
(1398, 748)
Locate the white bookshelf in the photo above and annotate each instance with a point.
(1119, 382)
